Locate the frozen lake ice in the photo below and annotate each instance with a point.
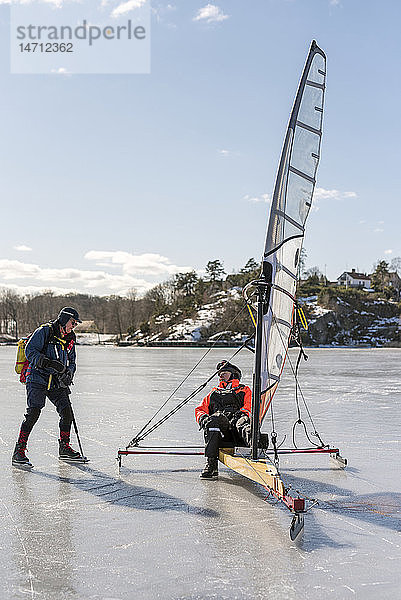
(157, 531)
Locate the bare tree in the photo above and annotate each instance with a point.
(11, 312)
(395, 265)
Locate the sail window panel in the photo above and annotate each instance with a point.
(284, 281)
(318, 69)
(283, 227)
(286, 277)
(306, 148)
(277, 347)
(277, 229)
(299, 197)
(291, 273)
(312, 99)
(291, 230)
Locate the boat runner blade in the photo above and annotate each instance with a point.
(297, 526)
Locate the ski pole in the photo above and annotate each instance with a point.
(76, 433)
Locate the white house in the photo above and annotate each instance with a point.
(354, 279)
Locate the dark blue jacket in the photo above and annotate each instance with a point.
(48, 341)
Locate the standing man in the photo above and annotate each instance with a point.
(224, 415)
(51, 355)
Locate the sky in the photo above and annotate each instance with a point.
(115, 182)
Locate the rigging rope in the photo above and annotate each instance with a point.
(298, 387)
(298, 340)
(299, 421)
(144, 431)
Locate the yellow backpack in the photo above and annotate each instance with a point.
(22, 363)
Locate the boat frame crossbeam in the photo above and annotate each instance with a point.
(166, 450)
(259, 471)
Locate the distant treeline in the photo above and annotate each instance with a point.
(165, 304)
(178, 297)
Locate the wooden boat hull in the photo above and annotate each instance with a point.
(263, 473)
(256, 470)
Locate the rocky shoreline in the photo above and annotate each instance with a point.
(337, 317)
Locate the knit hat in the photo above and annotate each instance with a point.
(224, 365)
(66, 314)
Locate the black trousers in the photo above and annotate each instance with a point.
(219, 434)
(36, 399)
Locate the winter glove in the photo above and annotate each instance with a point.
(244, 420)
(45, 363)
(234, 418)
(203, 420)
(219, 419)
(66, 378)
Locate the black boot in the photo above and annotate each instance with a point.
(211, 470)
(19, 458)
(67, 453)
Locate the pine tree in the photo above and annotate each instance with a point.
(380, 277)
(214, 274)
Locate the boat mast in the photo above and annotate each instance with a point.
(256, 388)
(263, 289)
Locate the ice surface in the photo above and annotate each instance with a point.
(158, 531)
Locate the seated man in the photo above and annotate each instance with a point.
(224, 415)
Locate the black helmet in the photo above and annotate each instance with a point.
(66, 314)
(224, 365)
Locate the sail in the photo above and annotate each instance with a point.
(291, 202)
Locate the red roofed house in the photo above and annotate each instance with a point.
(354, 279)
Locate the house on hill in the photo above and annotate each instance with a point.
(354, 279)
(394, 281)
(86, 327)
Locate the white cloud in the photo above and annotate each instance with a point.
(11, 270)
(255, 199)
(61, 71)
(322, 194)
(373, 228)
(23, 248)
(388, 252)
(143, 264)
(133, 271)
(319, 194)
(226, 153)
(126, 7)
(210, 14)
